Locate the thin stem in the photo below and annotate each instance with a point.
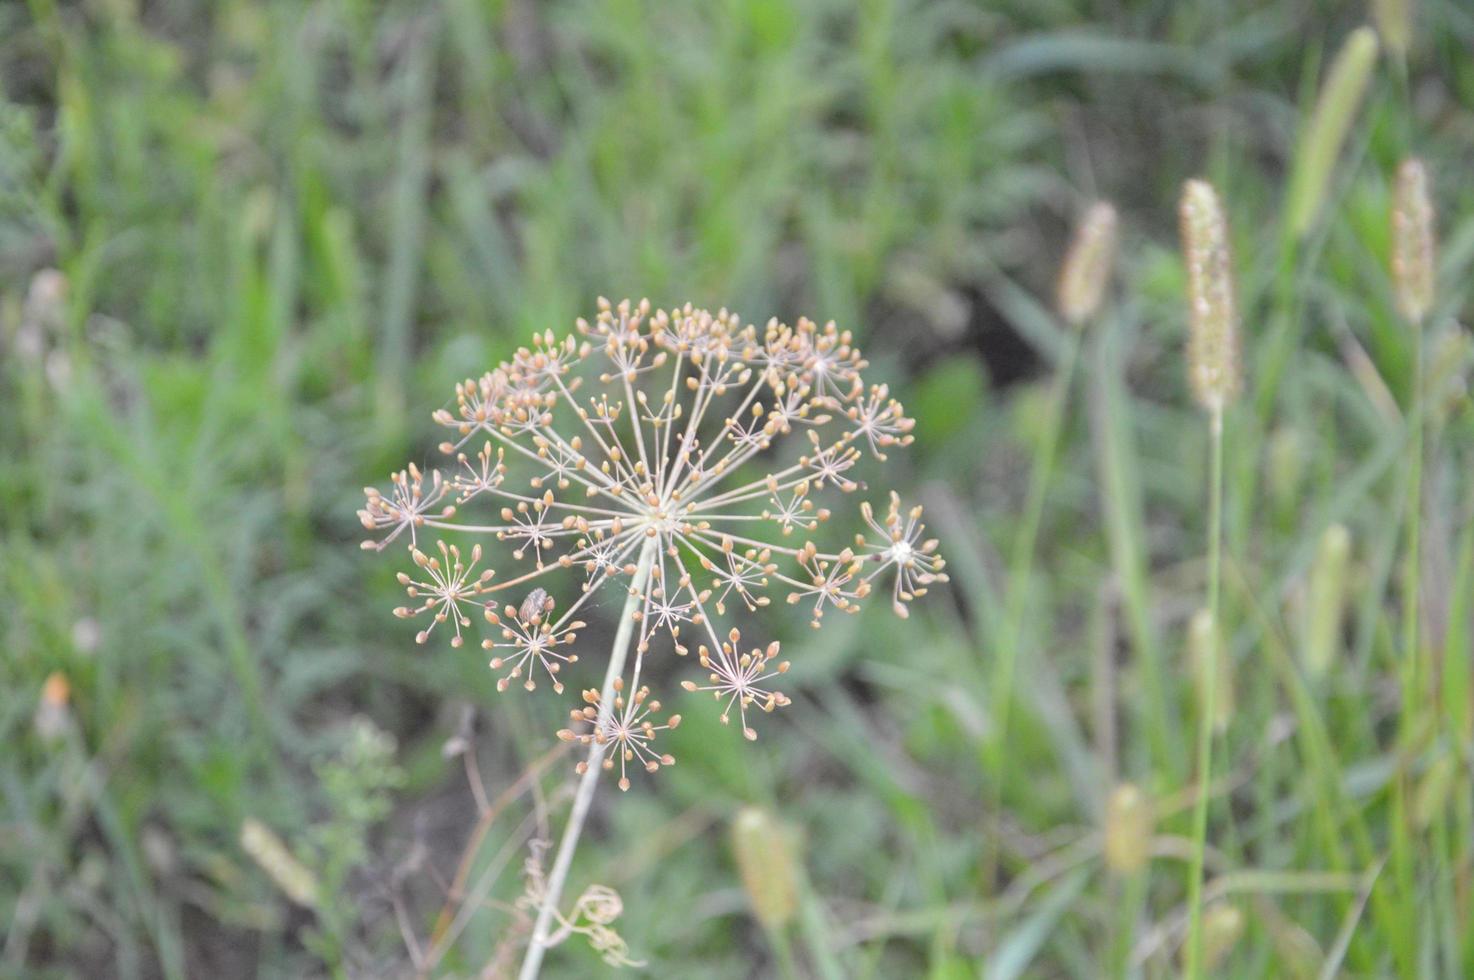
(1208, 707)
(1410, 623)
(584, 797)
(783, 953)
(1411, 728)
(1111, 416)
(1021, 568)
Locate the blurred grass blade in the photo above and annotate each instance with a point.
(819, 938)
(1394, 22)
(1117, 464)
(1325, 132)
(1336, 955)
(1030, 318)
(406, 226)
(1458, 650)
(1021, 944)
(1062, 51)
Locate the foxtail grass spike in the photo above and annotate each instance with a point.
(1086, 270)
(1394, 21)
(1326, 603)
(1203, 641)
(1285, 467)
(1325, 133)
(273, 856)
(1223, 927)
(1213, 320)
(1412, 242)
(53, 716)
(1129, 825)
(766, 861)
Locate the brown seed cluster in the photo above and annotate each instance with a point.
(713, 443)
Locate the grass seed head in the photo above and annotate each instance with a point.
(1413, 261)
(1203, 637)
(1213, 319)
(53, 714)
(766, 860)
(1129, 826)
(1285, 467)
(1223, 927)
(1394, 23)
(1325, 133)
(1086, 270)
(1326, 603)
(273, 856)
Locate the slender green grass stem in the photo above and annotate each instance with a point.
(1284, 333)
(1121, 511)
(1411, 728)
(1207, 708)
(1021, 567)
(1412, 667)
(783, 953)
(584, 797)
(817, 941)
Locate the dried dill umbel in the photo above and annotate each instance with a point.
(681, 459)
(644, 453)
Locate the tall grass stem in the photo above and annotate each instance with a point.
(1412, 727)
(1021, 567)
(1206, 709)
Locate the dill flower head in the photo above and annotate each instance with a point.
(679, 457)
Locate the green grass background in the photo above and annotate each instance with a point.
(285, 230)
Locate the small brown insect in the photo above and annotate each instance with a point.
(535, 605)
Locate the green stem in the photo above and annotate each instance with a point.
(1207, 708)
(1021, 567)
(1413, 571)
(1121, 510)
(783, 953)
(1284, 331)
(584, 797)
(1411, 728)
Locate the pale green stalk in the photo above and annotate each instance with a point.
(1403, 848)
(1021, 569)
(584, 797)
(1206, 709)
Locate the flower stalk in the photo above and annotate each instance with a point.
(1213, 370)
(588, 782)
(1208, 708)
(1414, 280)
